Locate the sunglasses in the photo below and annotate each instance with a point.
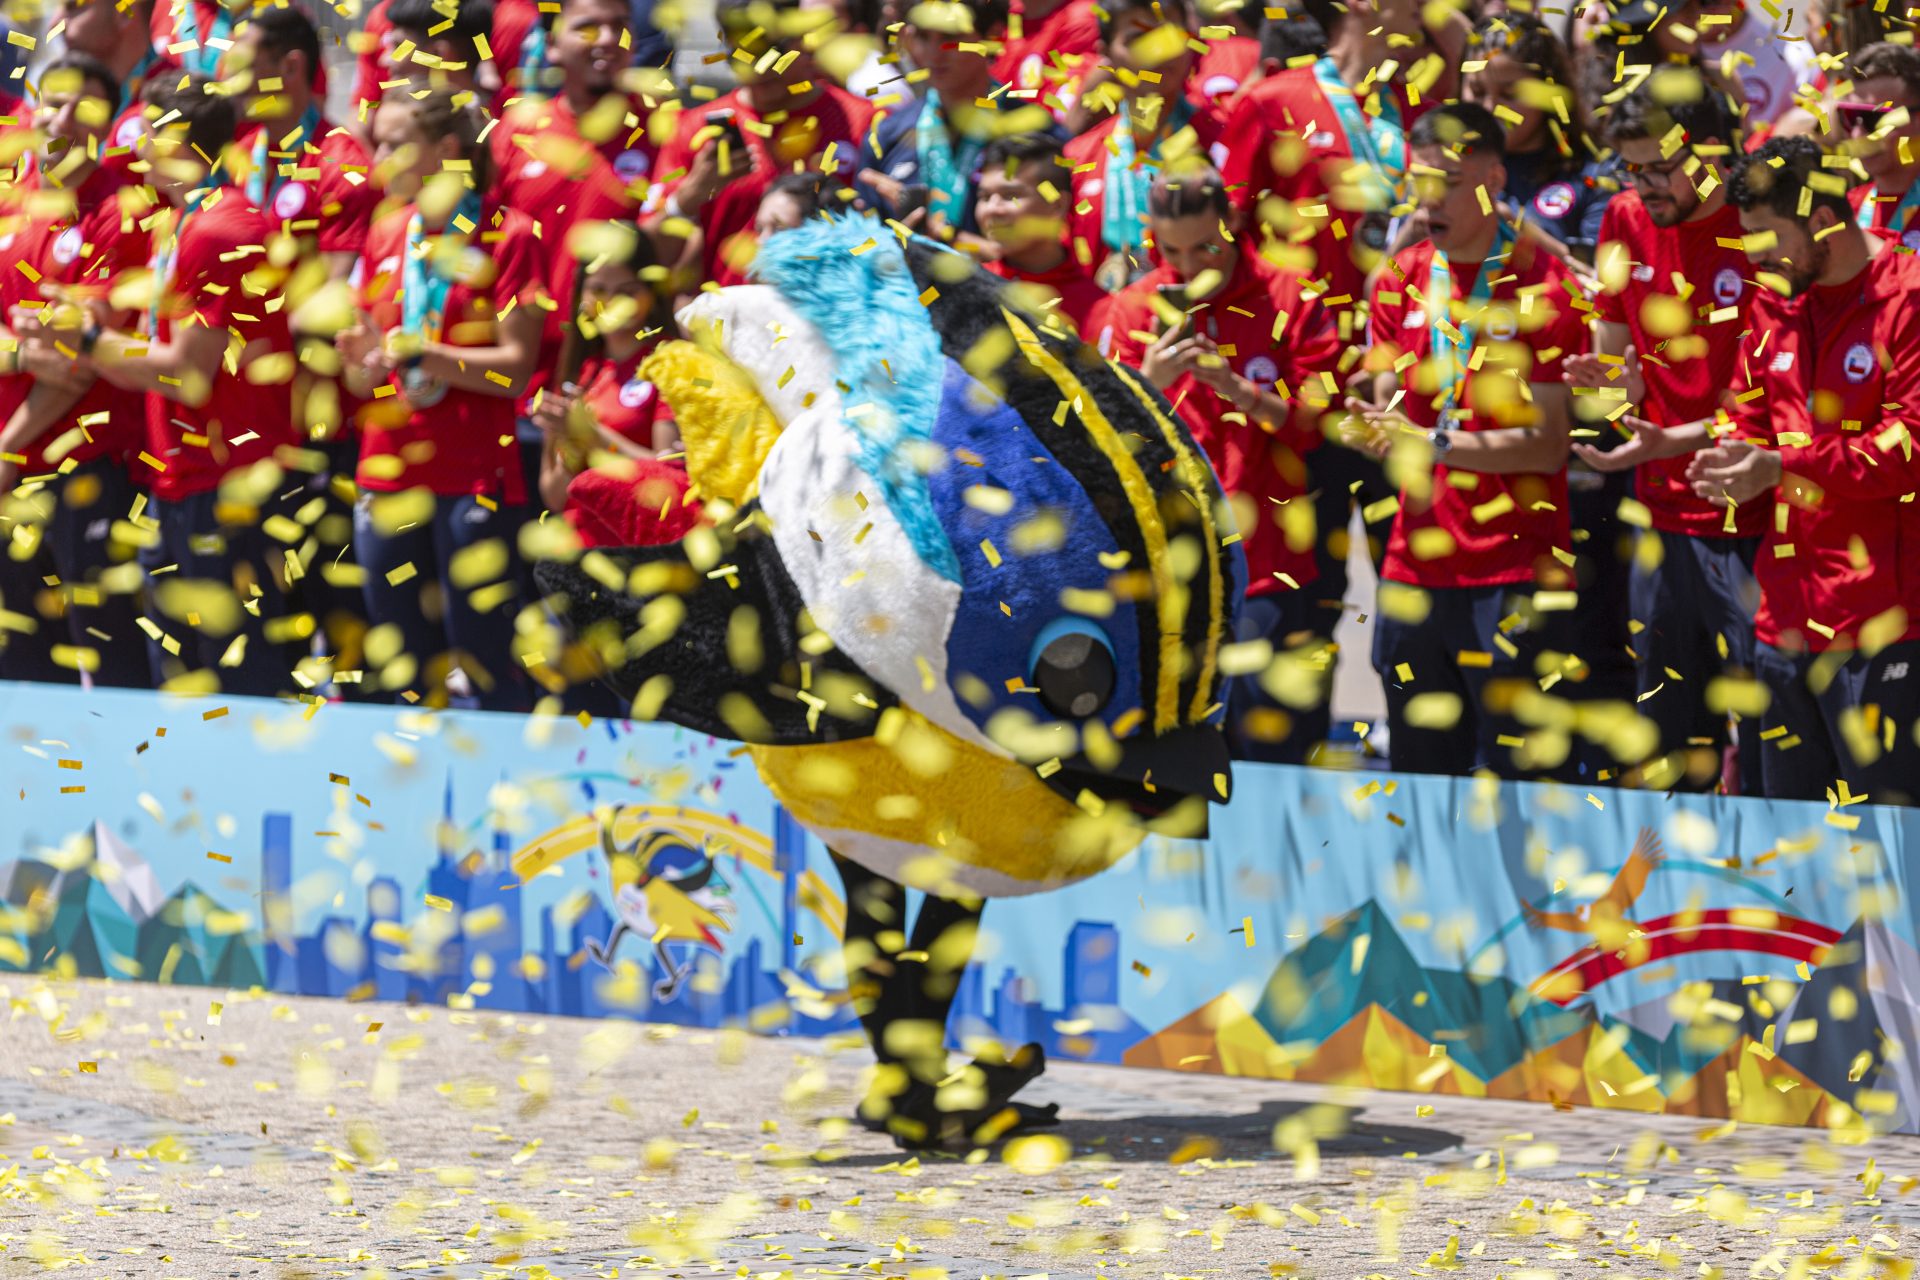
(1864, 116)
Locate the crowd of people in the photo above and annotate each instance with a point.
(1599, 326)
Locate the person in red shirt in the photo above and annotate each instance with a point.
(451, 284)
(208, 360)
(612, 429)
(1050, 45)
(784, 119)
(1470, 327)
(1240, 352)
(1838, 628)
(1886, 77)
(1021, 206)
(1675, 291)
(314, 179)
(69, 437)
(1153, 128)
(1316, 149)
(579, 158)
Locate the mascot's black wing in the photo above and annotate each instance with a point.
(725, 648)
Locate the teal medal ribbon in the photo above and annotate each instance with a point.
(948, 160)
(265, 181)
(1455, 353)
(424, 286)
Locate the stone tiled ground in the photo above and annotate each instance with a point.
(145, 1134)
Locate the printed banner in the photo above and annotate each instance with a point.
(1696, 955)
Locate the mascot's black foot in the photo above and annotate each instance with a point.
(917, 1124)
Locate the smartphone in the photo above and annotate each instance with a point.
(1175, 296)
(913, 197)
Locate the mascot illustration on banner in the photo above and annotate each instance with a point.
(961, 587)
(670, 894)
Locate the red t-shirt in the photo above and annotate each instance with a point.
(1078, 295)
(1284, 140)
(1047, 59)
(1474, 529)
(1689, 375)
(1906, 234)
(1090, 154)
(465, 443)
(621, 400)
(221, 278)
(325, 191)
(85, 240)
(799, 137)
(131, 123)
(560, 180)
(1225, 66)
(1841, 374)
(1260, 468)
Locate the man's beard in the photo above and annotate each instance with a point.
(1801, 278)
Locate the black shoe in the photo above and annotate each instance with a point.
(1003, 1079)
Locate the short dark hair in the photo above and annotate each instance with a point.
(287, 30)
(1296, 36)
(440, 110)
(807, 187)
(88, 69)
(1188, 193)
(470, 19)
(1328, 13)
(1465, 127)
(1673, 96)
(209, 118)
(1774, 176)
(1900, 61)
(1016, 149)
(1111, 11)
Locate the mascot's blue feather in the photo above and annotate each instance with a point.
(891, 404)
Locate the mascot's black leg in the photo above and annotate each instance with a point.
(903, 995)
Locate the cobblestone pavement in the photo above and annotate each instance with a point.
(166, 1131)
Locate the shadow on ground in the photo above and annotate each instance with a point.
(1153, 1139)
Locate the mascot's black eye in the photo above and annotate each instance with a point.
(1073, 668)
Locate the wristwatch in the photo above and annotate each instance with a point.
(1441, 441)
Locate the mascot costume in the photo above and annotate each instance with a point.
(959, 584)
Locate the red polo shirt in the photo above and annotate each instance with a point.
(221, 277)
(1218, 76)
(465, 443)
(324, 193)
(621, 400)
(1078, 296)
(1283, 139)
(86, 240)
(836, 122)
(1684, 295)
(1472, 529)
(561, 180)
(1048, 58)
(1842, 382)
(1281, 341)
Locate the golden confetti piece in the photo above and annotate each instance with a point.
(219, 857)
(89, 1068)
(214, 714)
(1246, 925)
(1037, 1154)
(439, 903)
